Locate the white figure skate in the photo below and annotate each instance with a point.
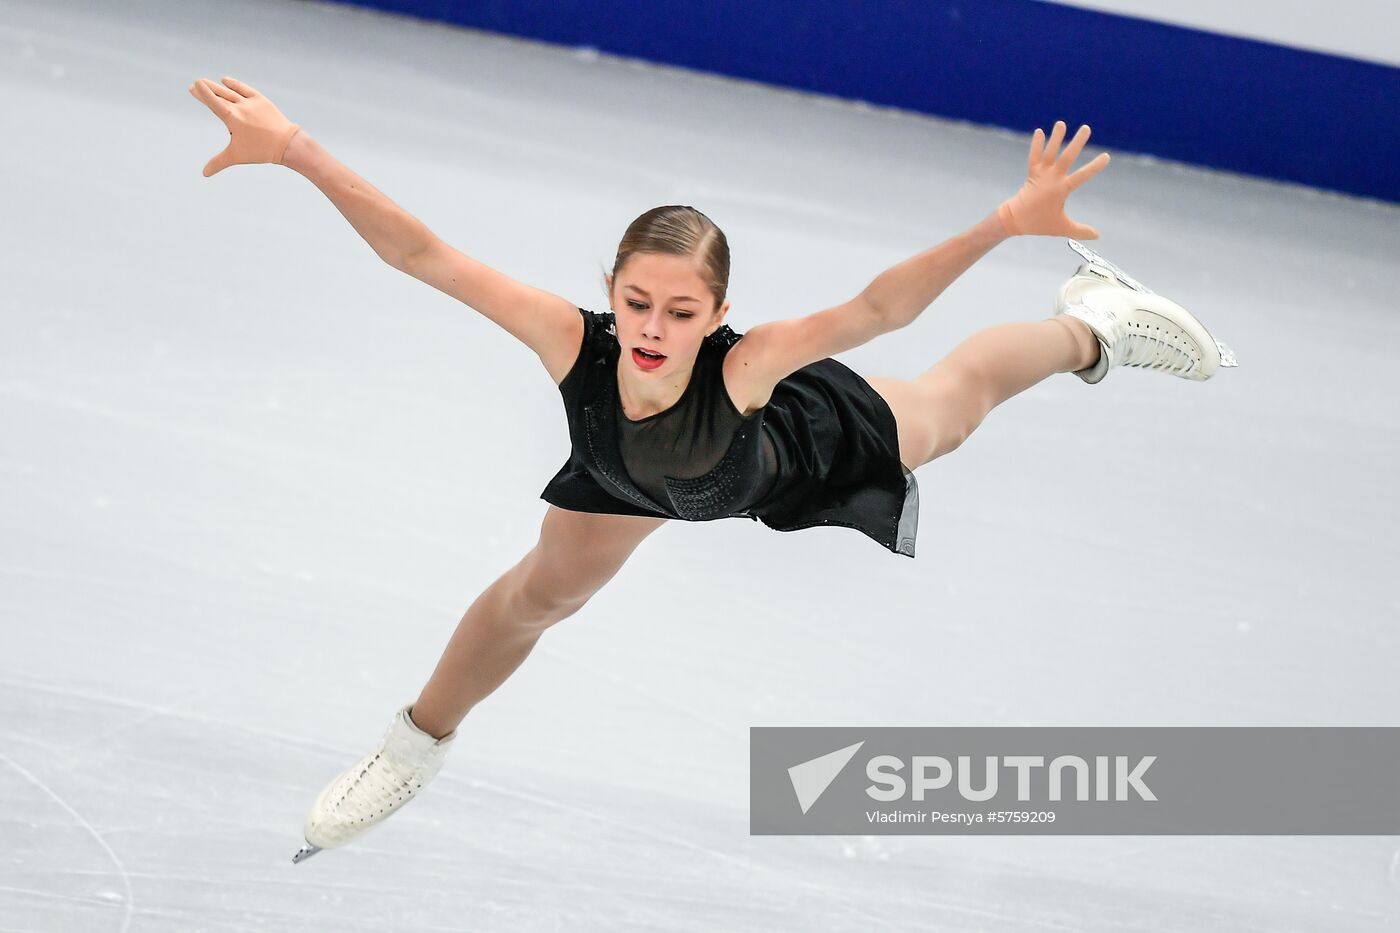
(376, 787)
(1135, 326)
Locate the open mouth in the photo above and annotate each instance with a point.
(646, 360)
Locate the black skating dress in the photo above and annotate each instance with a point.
(823, 451)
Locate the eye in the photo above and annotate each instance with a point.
(681, 315)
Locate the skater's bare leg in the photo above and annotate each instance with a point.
(576, 554)
(1007, 359)
(937, 411)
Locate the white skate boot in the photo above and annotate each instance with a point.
(1135, 326)
(376, 787)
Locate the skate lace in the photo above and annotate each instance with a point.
(376, 790)
(1153, 346)
(385, 781)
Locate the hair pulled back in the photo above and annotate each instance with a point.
(679, 230)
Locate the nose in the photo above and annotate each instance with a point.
(652, 329)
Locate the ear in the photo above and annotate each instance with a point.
(719, 320)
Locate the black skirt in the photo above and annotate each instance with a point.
(835, 436)
(838, 453)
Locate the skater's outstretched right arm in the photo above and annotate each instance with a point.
(259, 133)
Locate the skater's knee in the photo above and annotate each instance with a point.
(544, 595)
(957, 404)
(949, 438)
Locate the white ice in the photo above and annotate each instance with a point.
(252, 477)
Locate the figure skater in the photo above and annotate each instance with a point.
(673, 415)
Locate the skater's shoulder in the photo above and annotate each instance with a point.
(588, 342)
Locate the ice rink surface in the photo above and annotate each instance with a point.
(251, 476)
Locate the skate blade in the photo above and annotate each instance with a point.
(1227, 356)
(1123, 277)
(304, 853)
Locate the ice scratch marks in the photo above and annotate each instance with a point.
(78, 817)
(611, 822)
(653, 697)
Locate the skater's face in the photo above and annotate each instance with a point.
(662, 304)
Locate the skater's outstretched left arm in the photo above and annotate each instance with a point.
(769, 352)
(259, 133)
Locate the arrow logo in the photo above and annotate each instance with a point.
(810, 779)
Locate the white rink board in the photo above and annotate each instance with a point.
(1364, 29)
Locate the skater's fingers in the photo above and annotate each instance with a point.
(220, 162)
(1076, 145)
(209, 99)
(211, 89)
(1089, 171)
(228, 94)
(1085, 232)
(245, 89)
(1057, 135)
(1037, 143)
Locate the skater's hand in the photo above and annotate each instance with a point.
(1039, 207)
(259, 133)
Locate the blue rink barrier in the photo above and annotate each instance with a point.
(1169, 91)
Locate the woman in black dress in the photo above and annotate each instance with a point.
(673, 414)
